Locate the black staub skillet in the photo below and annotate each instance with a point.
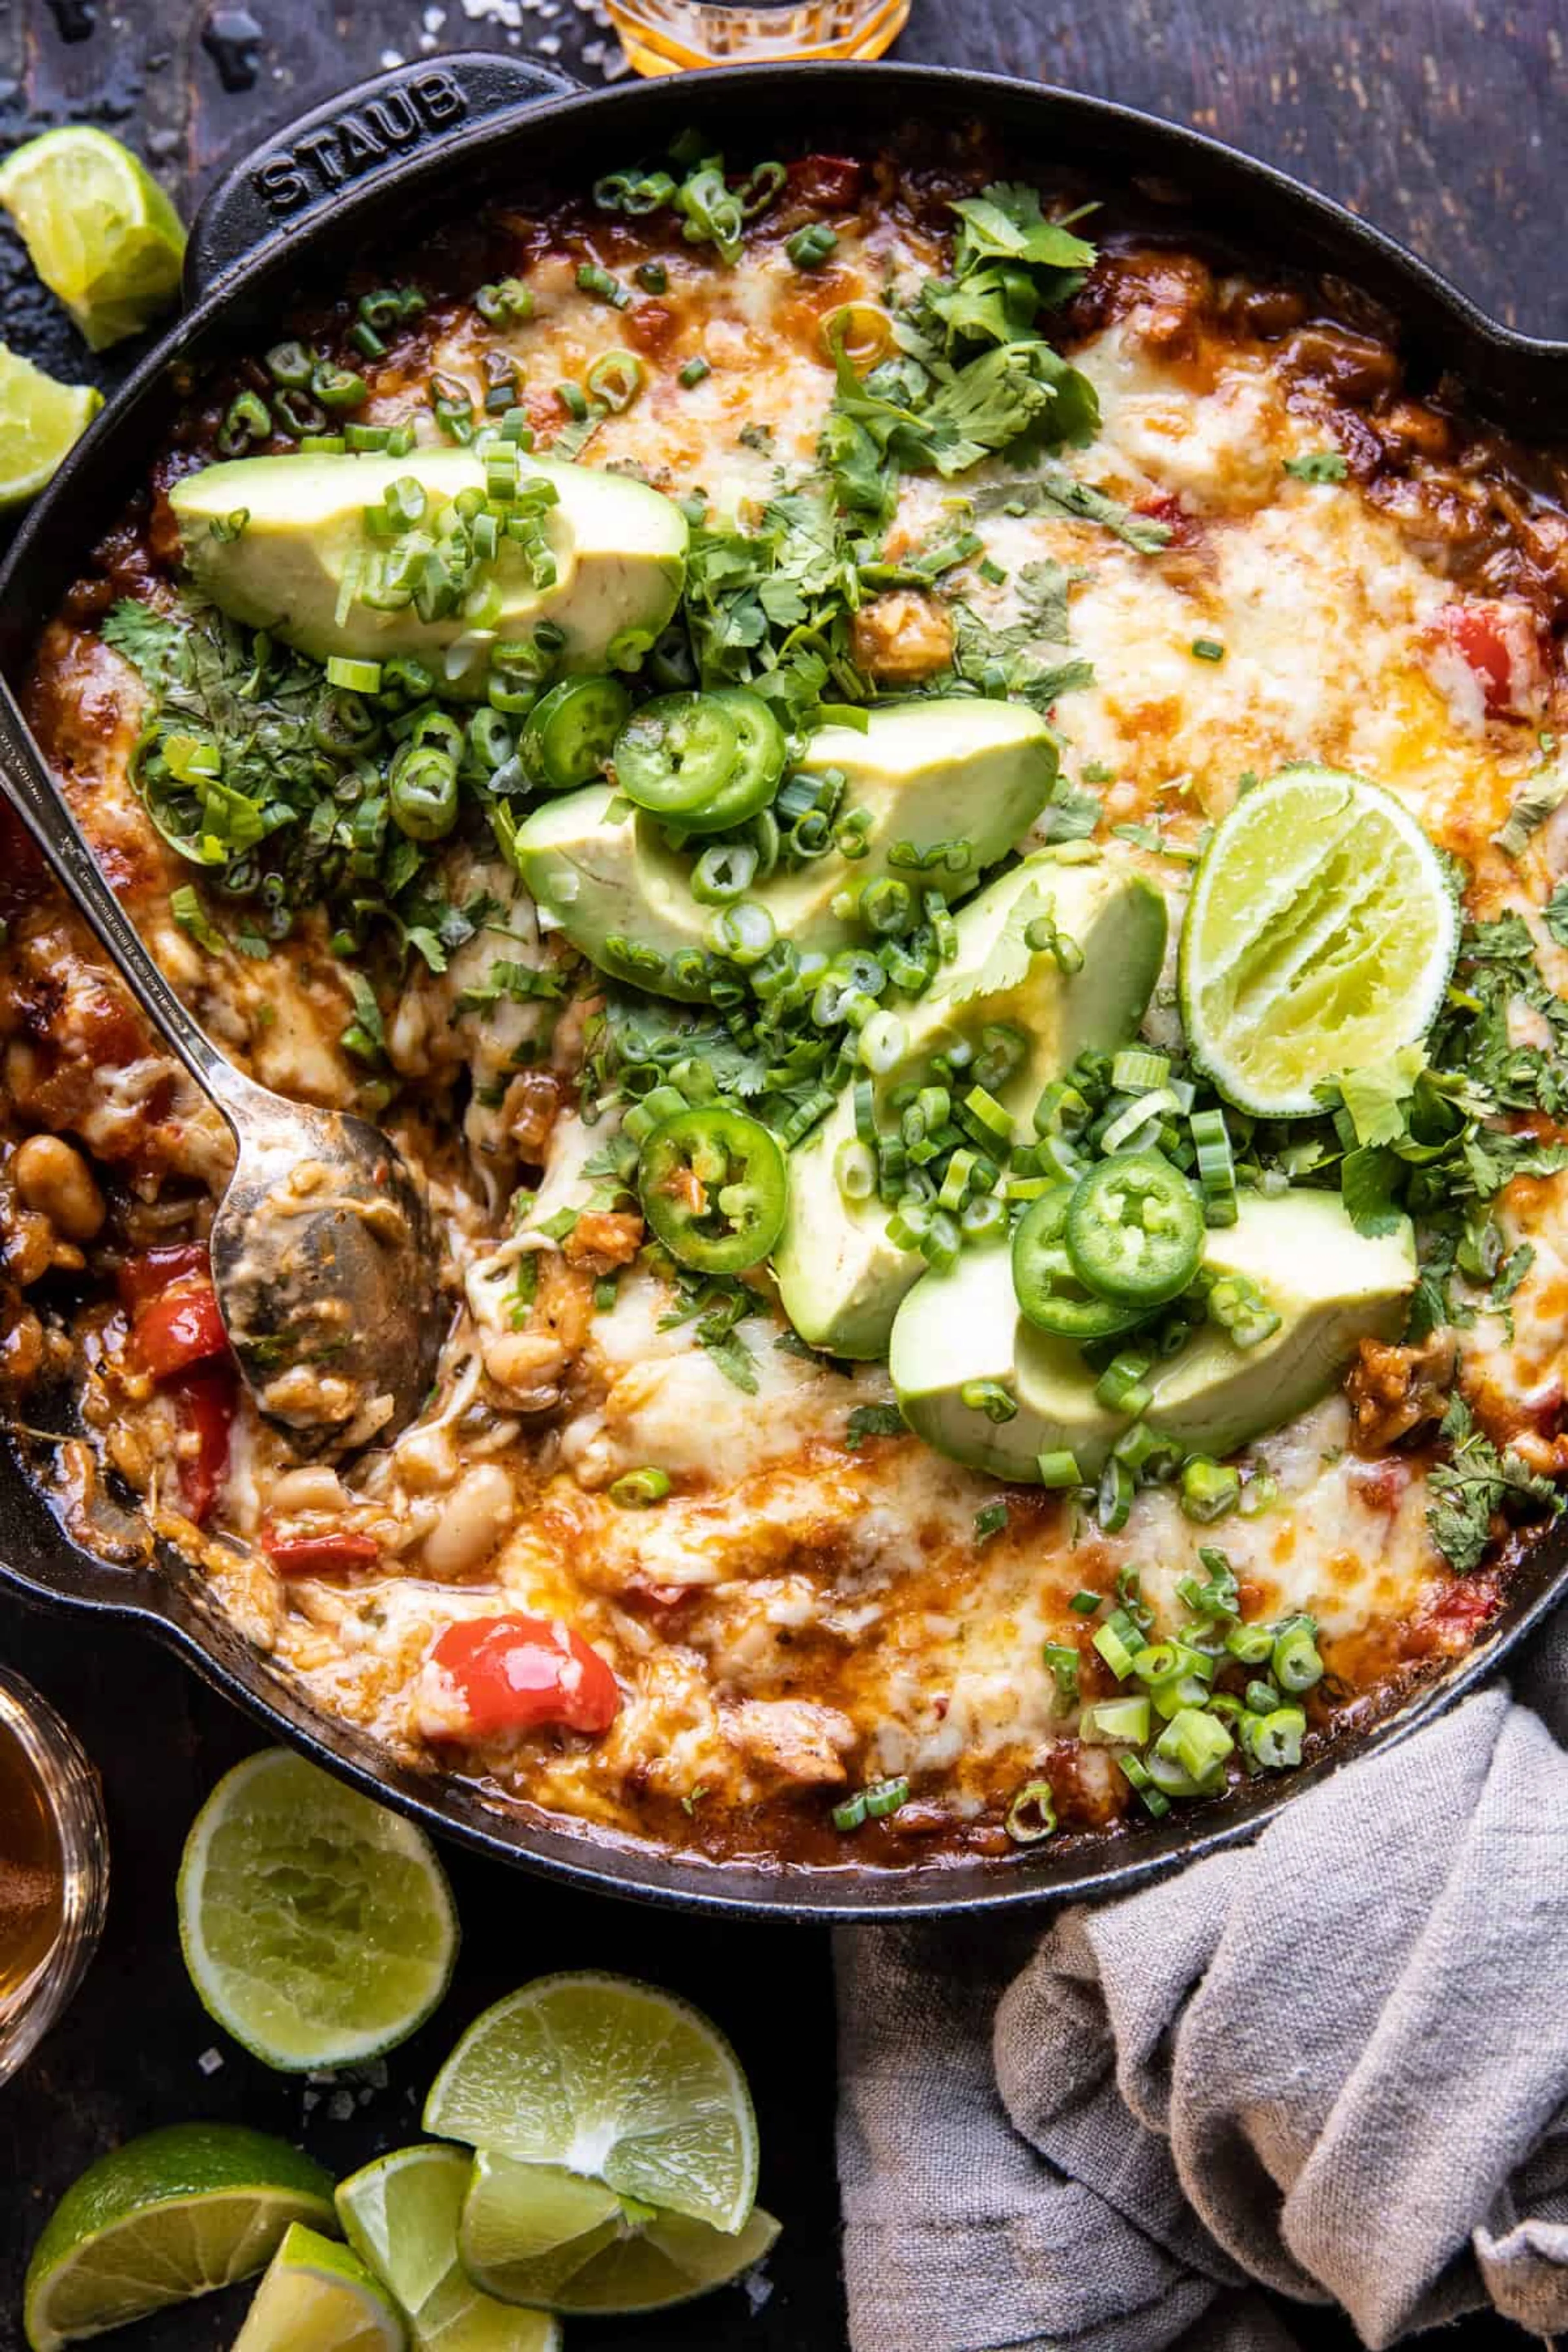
(366, 176)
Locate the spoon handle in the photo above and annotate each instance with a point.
(30, 790)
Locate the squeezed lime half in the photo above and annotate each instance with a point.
(318, 1928)
(1319, 938)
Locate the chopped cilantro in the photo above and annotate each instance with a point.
(193, 918)
(1318, 466)
(1474, 1484)
(872, 1420)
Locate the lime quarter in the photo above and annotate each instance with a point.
(612, 2080)
(318, 1928)
(318, 2297)
(39, 421)
(98, 229)
(400, 2215)
(531, 2233)
(1319, 938)
(168, 2216)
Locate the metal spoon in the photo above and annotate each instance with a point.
(322, 1251)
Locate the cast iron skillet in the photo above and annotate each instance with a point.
(370, 174)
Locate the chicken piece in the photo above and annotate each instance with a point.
(902, 638)
(1394, 1391)
(793, 1738)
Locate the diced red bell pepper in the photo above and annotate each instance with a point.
(156, 1271)
(182, 1329)
(515, 1673)
(319, 1555)
(1500, 641)
(205, 1399)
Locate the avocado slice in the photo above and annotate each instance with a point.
(925, 771)
(840, 1277)
(620, 548)
(1330, 1285)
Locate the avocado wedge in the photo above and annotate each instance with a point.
(1330, 1285)
(840, 1277)
(619, 550)
(924, 773)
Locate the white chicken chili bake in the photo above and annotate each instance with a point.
(936, 821)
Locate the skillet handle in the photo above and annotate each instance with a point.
(349, 141)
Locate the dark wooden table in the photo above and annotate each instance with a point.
(1442, 120)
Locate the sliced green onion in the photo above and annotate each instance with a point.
(1135, 1070)
(1208, 1489)
(1112, 1719)
(1273, 1741)
(1196, 1742)
(985, 1117)
(1250, 1645)
(1057, 1468)
(615, 378)
(989, 1520)
(990, 1398)
(1137, 1115)
(1154, 1801)
(855, 1170)
(1217, 1169)
(358, 676)
(1084, 1603)
(695, 372)
(1297, 1665)
(1063, 1660)
(1112, 1643)
(636, 1490)
(1113, 1498)
(810, 247)
(593, 281)
(1123, 1387)
(1032, 1815)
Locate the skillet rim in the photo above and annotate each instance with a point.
(166, 1600)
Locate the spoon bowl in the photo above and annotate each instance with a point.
(322, 1257)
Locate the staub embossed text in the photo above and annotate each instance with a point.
(346, 144)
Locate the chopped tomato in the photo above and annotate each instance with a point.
(204, 1401)
(319, 1555)
(515, 1673)
(156, 1271)
(1162, 506)
(1500, 644)
(831, 181)
(182, 1329)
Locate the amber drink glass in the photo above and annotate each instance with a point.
(53, 1867)
(661, 37)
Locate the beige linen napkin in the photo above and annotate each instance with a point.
(1333, 2062)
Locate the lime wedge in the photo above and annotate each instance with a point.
(612, 2080)
(532, 2233)
(40, 420)
(318, 2297)
(98, 229)
(1319, 938)
(400, 2215)
(173, 2214)
(318, 1928)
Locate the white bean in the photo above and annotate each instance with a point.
(313, 1489)
(52, 1177)
(476, 1515)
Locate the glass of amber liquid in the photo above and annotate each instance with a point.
(661, 37)
(53, 1867)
